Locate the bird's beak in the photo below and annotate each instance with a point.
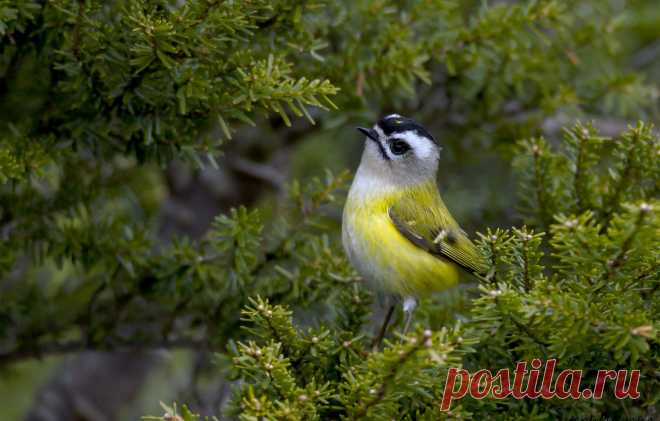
(370, 133)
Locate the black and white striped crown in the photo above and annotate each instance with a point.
(394, 123)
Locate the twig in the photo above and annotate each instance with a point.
(532, 335)
(77, 31)
(646, 55)
(380, 394)
(540, 196)
(526, 281)
(625, 247)
(644, 275)
(59, 348)
(577, 177)
(262, 172)
(493, 259)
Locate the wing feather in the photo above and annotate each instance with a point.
(430, 227)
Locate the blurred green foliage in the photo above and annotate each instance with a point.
(98, 99)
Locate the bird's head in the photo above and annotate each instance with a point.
(400, 149)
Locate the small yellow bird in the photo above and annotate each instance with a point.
(396, 230)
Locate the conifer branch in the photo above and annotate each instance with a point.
(493, 258)
(379, 394)
(624, 248)
(119, 90)
(577, 177)
(539, 186)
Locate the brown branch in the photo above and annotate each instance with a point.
(524, 328)
(493, 258)
(262, 172)
(76, 30)
(380, 393)
(577, 177)
(59, 348)
(540, 194)
(625, 247)
(526, 281)
(643, 276)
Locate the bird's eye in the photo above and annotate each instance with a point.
(399, 147)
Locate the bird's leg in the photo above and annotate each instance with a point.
(381, 334)
(409, 305)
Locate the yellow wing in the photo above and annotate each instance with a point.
(425, 221)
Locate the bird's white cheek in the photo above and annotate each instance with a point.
(423, 147)
(424, 152)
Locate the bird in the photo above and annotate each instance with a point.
(396, 230)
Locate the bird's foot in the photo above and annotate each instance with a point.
(409, 306)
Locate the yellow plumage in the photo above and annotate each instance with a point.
(405, 241)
